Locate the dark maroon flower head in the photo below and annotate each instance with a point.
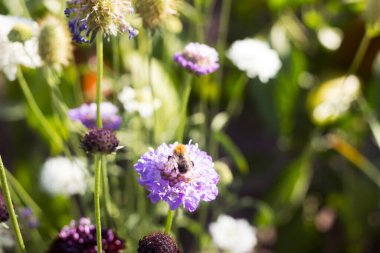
(158, 242)
(81, 238)
(4, 214)
(100, 141)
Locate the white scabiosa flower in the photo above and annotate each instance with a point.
(333, 98)
(62, 176)
(233, 235)
(330, 37)
(18, 45)
(139, 100)
(256, 58)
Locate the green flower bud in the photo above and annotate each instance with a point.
(54, 45)
(20, 33)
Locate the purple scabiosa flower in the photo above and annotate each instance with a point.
(86, 114)
(81, 238)
(27, 214)
(198, 58)
(88, 17)
(178, 174)
(158, 242)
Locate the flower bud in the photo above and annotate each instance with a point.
(54, 46)
(158, 242)
(20, 33)
(154, 12)
(4, 214)
(100, 141)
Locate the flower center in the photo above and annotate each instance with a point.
(178, 167)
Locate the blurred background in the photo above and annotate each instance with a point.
(298, 153)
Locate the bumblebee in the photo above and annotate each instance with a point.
(180, 159)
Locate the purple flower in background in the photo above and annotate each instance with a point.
(86, 114)
(88, 17)
(178, 174)
(4, 214)
(81, 238)
(198, 58)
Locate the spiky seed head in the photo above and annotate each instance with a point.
(158, 242)
(54, 47)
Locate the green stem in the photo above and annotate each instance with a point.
(150, 81)
(223, 25)
(106, 190)
(11, 210)
(354, 156)
(27, 200)
(36, 110)
(237, 94)
(203, 108)
(359, 54)
(24, 8)
(98, 174)
(185, 101)
(221, 43)
(200, 22)
(169, 221)
(115, 63)
(99, 77)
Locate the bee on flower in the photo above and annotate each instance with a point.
(179, 175)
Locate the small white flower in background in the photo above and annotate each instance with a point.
(6, 238)
(330, 37)
(14, 53)
(233, 235)
(256, 58)
(62, 176)
(139, 100)
(334, 98)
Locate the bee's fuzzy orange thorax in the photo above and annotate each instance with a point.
(180, 149)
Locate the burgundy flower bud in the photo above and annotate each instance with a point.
(4, 214)
(100, 141)
(80, 237)
(158, 242)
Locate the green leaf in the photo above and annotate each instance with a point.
(292, 186)
(230, 147)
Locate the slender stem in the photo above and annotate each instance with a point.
(237, 94)
(169, 221)
(150, 81)
(359, 54)
(26, 199)
(106, 190)
(36, 110)
(223, 25)
(221, 43)
(185, 101)
(24, 8)
(98, 157)
(200, 22)
(354, 156)
(115, 63)
(99, 77)
(98, 174)
(11, 210)
(203, 108)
